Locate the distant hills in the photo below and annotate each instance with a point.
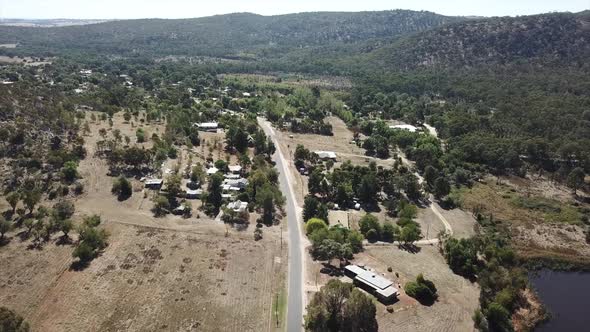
(225, 35)
(327, 42)
(46, 23)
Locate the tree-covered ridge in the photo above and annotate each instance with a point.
(224, 35)
(556, 38)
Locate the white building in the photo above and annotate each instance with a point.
(212, 170)
(407, 127)
(235, 169)
(238, 206)
(208, 126)
(326, 155)
(379, 286)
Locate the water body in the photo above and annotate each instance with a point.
(567, 297)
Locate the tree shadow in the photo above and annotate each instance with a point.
(427, 301)
(79, 265)
(8, 214)
(35, 245)
(5, 240)
(390, 301)
(64, 240)
(409, 247)
(371, 207)
(122, 198)
(23, 235)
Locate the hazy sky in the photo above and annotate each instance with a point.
(196, 8)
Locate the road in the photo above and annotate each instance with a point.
(295, 297)
(433, 206)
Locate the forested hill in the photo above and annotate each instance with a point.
(224, 35)
(557, 38)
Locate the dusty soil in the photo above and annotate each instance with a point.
(147, 279)
(527, 317)
(169, 274)
(458, 297)
(27, 61)
(554, 230)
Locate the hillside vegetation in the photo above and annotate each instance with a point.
(224, 35)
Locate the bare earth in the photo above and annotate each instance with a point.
(458, 297)
(168, 274)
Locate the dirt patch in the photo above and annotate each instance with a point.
(529, 315)
(27, 61)
(458, 297)
(145, 281)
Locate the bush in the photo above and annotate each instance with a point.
(78, 188)
(12, 322)
(84, 252)
(122, 188)
(372, 235)
(314, 224)
(162, 206)
(422, 290)
(70, 171)
(370, 222)
(63, 210)
(390, 232)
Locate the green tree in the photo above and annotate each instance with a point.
(161, 206)
(410, 233)
(31, 198)
(441, 187)
(355, 239)
(575, 179)
(214, 192)
(499, 318)
(368, 188)
(65, 226)
(314, 224)
(315, 181)
(140, 135)
(430, 175)
(370, 222)
(339, 307)
(310, 207)
(5, 227)
(70, 171)
(390, 232)
(359, 313)
(197, 173)
(461, 255)
(63, 210)
(13, 198)
(12, 322)
(422, 290)
(122, 188)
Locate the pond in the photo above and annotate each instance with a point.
(567, 297)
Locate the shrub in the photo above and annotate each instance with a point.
(314, 224)
(422, 290)
(122, 188)
(12, 322)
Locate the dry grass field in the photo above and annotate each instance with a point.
(168, 274)
(542, 217)
(458, 297)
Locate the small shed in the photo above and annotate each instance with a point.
(154, 183)
(193, 194)
(325, 155)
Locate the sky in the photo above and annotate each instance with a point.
(128, 9)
